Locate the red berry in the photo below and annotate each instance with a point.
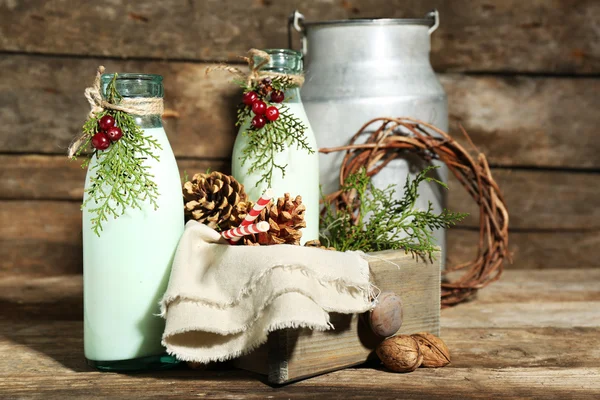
(115, 133)
(100, 141)
(277, 96)
(106, 122)
(272, 113)
(259, 107)
(249, 98)
(259, 121)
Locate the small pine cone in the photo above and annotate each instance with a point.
(264, 89)
(285, 218)
(317, 244)
(215, 199)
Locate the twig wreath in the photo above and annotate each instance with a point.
(390, 138)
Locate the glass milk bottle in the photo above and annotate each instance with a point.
(302, 169)
(126, 269)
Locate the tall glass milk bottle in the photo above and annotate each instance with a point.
(126, 269)
(302, 169)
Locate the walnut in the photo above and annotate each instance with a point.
(434, 350)
(400, 353)
(386, 318)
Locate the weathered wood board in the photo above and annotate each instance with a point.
(554, 216)
(43, 358)
(496, 35)
(294, 354)
(516, 121)
(60, 297)
(535, 249)
(562, 200)
(44, 237)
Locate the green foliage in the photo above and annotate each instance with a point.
(374, 221)
(264, 143)
(119, 178)
(283, 82)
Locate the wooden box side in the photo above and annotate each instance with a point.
(294, 354)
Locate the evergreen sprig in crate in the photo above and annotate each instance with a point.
(293, 354)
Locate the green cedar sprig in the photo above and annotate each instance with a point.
(375, 221)
(119, 179)
(264, 143)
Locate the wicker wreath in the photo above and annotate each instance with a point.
(390, 138)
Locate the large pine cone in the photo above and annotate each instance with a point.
(215, 199)
(285, 218)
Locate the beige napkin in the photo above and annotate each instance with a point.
(223, 300)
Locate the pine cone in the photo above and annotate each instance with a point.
(215, 199)
(317, 244)
(265, 87)
(286, 218)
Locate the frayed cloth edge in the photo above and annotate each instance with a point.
(187, 356)
(259, 313)
(340, 284)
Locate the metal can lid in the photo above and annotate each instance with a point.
(374, 21)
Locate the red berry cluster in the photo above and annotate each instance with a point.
(108, 133)
(262, 113)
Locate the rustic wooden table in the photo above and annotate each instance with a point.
(534, 334)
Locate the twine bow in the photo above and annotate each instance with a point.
(254, 74)
(135, 106)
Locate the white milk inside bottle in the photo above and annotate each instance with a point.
(127, 267)
(301, 167)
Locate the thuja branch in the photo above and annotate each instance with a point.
(373, 220)
(264, 144)
(272, 127)
(120, 178)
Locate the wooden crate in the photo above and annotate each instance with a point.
(294, 354)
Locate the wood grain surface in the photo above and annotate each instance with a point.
(482, 36)
(554, 216)
(535, 199)
(516, 121)
(60, 297)
(294, 354)
(44, 237)
(521, 77)
(509, 357)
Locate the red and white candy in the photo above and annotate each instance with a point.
(264, 200)
(237, 233)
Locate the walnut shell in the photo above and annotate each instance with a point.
(386, 318)
(434, 350)
(400, 353)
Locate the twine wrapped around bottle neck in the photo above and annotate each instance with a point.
(134, 106)
(254, 74)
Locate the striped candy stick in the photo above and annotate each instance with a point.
(264, 200)
(238, 232)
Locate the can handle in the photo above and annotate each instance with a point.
(435, 15)
(296, 22)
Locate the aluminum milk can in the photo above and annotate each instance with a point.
(360, 69)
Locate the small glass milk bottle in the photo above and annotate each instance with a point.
(126, 269)
(301, 167)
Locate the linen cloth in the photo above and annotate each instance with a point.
(223, 300)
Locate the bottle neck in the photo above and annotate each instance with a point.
(131, 85)
(291, 95)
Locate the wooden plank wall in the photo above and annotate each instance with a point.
(521, 77)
